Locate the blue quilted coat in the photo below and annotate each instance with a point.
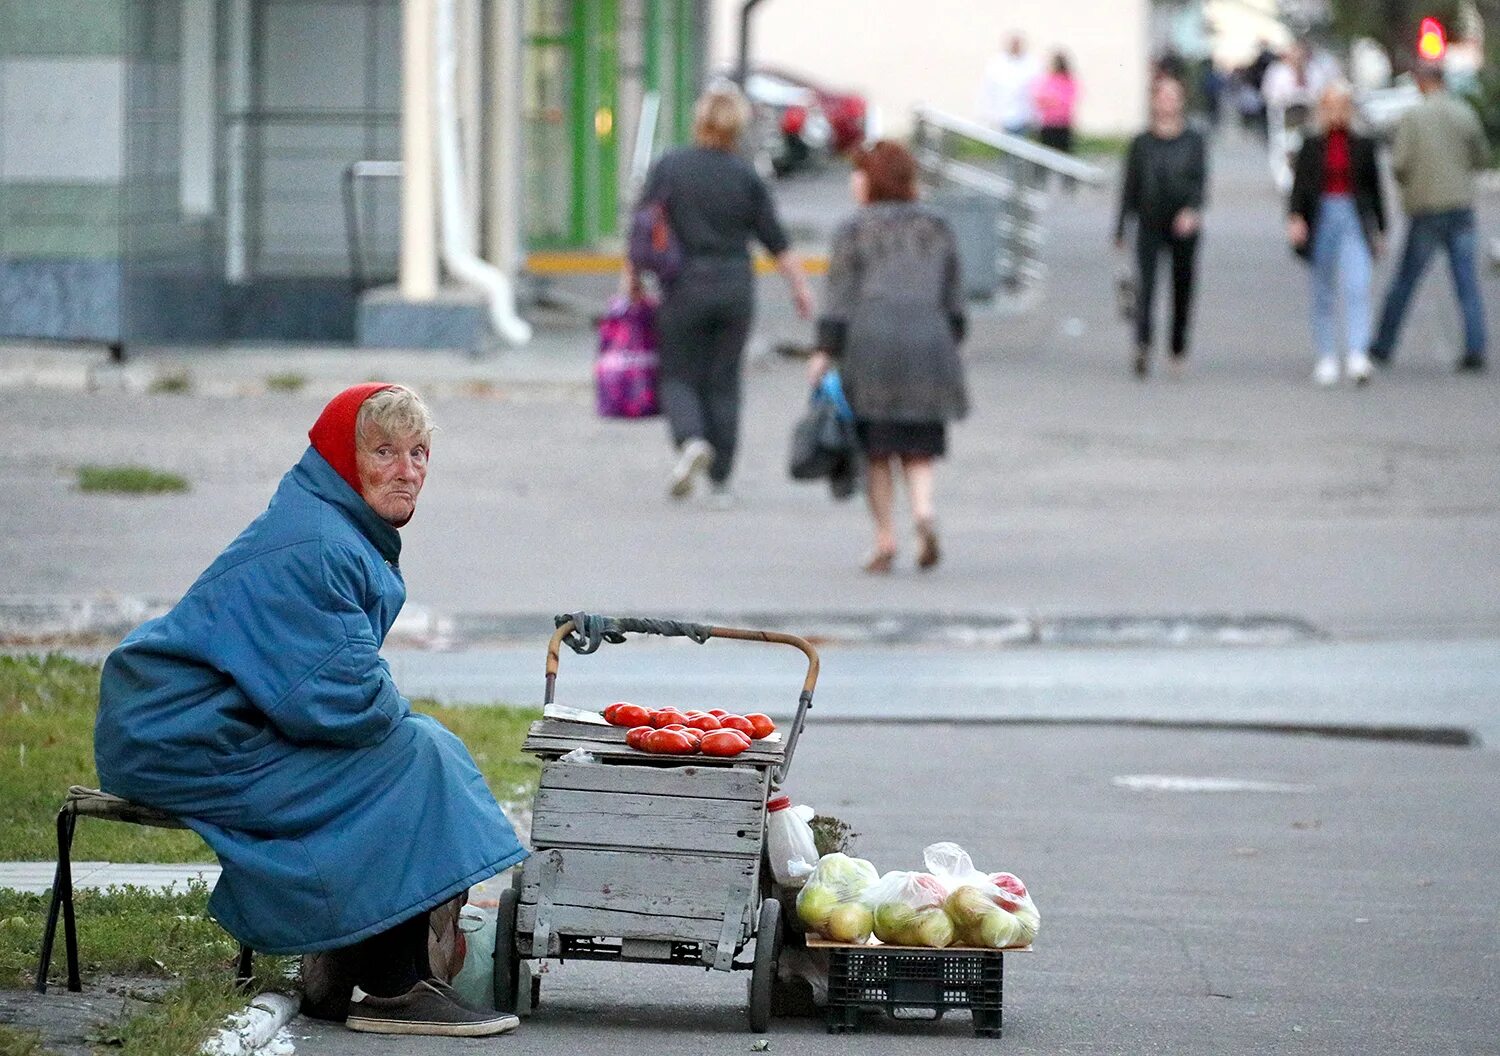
(259, 711)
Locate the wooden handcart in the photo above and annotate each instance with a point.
(647, 858)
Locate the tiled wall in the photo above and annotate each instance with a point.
(63, 66)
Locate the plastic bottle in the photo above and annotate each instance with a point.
(789, 842)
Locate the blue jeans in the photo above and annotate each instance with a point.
(1340, 259)
(1453, 229)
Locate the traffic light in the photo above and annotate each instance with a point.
(1432, 41)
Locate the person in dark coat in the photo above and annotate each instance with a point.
(892, 321)
(260, 712)
(1164, 188)
(715, 204)
(1336, 221)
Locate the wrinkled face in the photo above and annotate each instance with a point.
(391, 473)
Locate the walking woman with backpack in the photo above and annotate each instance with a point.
(1336, 222)
(711, 203)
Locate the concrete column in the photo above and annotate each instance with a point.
(505, 191)
(471, 109)
(239, 96)
(197, 119)
(419, 258)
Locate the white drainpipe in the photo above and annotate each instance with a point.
(460, 254)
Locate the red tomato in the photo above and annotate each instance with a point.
(703, 722)
(723, 742)
(737, 722)
(741, 734)
(629, 715)
(760, 725)
(609, 712)
(666, 716)
(693, 713)
(717, 713)
(669, 742)
(637, 735)
(696, 735)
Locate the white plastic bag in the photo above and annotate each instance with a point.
(789, 842)
(992, 910)
(831, 901)
(907, 910)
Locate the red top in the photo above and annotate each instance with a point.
(1336, 177)
(778, 802)
(332, 435)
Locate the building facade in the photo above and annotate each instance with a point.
(199, 170)
(901, 54)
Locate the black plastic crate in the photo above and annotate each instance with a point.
(905, 980)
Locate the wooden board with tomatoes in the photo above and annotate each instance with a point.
(553, 737)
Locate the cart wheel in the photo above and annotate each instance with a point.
(507, 958)
(767, 956)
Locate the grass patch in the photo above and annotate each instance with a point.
(15, 1042)
(286, 382)
(129, 480)
(136, 933)
(47, 709)
(174, 382)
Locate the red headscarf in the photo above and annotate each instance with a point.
(332, 435)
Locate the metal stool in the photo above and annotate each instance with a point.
(92, 803)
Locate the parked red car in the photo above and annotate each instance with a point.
(801, 123)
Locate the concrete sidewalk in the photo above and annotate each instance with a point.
(36, 877)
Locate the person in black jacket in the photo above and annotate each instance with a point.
(1166, 176)
(1336, 221)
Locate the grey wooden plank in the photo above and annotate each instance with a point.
(614, 924)
(703, 782)
(568, 818)
(678, 885)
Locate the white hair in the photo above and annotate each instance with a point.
(396, 413)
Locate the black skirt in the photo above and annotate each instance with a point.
(921, 439)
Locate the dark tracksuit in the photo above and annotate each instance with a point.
(715, 203)
(1163, 177)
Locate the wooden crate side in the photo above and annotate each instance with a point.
(676, 885)
(702, 782)
(571, 818)
(614, 924)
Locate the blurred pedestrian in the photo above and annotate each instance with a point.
(1054, 99)
(1336, 221)
(1163, 189)
(715, 203)
(1005, 102)
(892, 321)
(1439, 145)
(1291, 88)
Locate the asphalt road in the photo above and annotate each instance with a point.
(1353, 914)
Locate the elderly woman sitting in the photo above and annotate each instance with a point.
(260, 712)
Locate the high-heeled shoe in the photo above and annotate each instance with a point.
(928, 554)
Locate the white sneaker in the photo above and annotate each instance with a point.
(1359, 368)
(694, 460)
(721, 498)
(1326, 372)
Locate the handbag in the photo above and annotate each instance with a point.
(653, 247)
(627, 368)
(824, 445)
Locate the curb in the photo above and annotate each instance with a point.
(36, 621)
(259, 1030)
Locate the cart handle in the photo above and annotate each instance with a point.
(585, 632)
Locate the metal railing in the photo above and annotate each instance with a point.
(1014, 177)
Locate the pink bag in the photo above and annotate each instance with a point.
(626, 371)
